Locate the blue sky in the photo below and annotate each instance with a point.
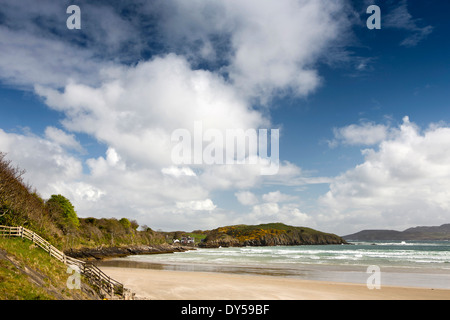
(363, 114)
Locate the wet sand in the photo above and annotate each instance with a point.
(185, 285)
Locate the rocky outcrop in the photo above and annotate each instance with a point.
(217, 239)
(112, 252)
(294, 238)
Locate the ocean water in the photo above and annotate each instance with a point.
(410, 263)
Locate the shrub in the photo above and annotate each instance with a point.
(125, 223)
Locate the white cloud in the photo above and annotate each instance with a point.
(269, 47)
(199, 205)
(365, 134)
(45, 161)
(63, 139)
(292, 175)
(246, 198)
(277, 196)
(178, 172)
(112, 157)
(271, 211)
(136, 112)
(275, 206)
(27, 60)
(405, 181)
(78, 192)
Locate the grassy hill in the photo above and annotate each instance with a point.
(269, 234)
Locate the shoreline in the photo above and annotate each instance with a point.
(152, 284)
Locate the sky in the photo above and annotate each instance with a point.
(363, 114)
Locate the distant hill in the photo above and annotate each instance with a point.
(418, 233)
(270, 234)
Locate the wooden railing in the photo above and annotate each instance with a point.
(106, 286)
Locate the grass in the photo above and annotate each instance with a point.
(198, 237)
(34, 275)
(267, 227)
(14, 285)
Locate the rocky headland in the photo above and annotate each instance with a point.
(271, 234)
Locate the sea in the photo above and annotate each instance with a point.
(394, 263)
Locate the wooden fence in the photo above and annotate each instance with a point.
(96, 277)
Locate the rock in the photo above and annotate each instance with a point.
(216, 240)
(113, 252)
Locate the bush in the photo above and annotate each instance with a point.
(125, 223)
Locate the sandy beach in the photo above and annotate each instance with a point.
(181, 285)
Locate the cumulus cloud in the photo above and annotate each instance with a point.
(45, 161)
(277, 196)
(178, 172)
(63, 139)
(270, 207)
(137, 111)
(405, 181)
(246, 198)
(365, 134)
(271, 47)
(199, 205)
(271, 211)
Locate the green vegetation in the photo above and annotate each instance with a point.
(268, 234)
(248, 232)
(112, 232)
(198, 235)
(29, 273)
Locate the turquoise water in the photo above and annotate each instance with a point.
(410, 263)
(392, 254)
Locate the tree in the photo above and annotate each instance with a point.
(63, 211)
(125, 223)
